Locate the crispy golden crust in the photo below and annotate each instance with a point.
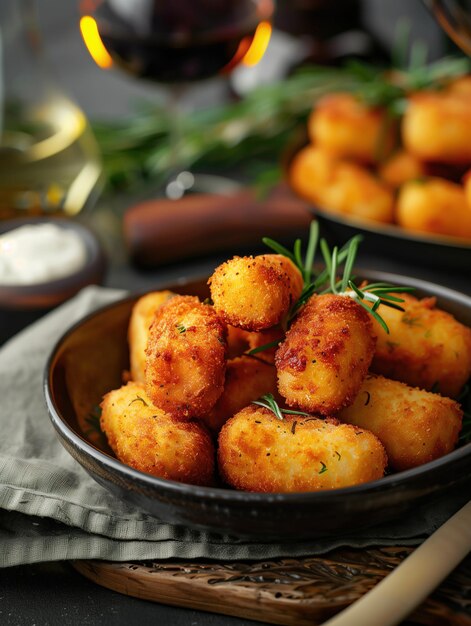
(326, 355)
(258, 452)
(186, 357)
(437, 127)
(138, 332)
(425, 348)
(247, 379)
(255, 293)
(346, 128)
(339, 186)
(148, 439)
(414, 426)
(434, 205)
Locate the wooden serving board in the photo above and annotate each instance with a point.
(293, 592)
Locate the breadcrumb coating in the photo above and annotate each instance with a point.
(152, 441)
(326, 355)
(426, 347)
(258, 452)
(186, 357)
(255, 293)
(415, 426)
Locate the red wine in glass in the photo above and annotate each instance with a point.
(177, 41)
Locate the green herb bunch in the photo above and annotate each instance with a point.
(327, 280)
(254, 132)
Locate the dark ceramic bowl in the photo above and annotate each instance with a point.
(45, 295)
(89, 360)
(21, 305)
(433, 251)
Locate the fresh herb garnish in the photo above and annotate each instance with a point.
(181, 329)
(327, 280)
(138, 399)
(262, 348)
(324, 468)
(258, 128)
(268, 402)
(374, 293)
(93, 420)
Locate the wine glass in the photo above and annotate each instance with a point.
(455, 19)
(176, 42)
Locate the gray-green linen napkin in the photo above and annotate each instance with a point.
(51, 509)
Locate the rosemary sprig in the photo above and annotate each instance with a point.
(262, 348)
(305, 265)
(374, 293)
(93, 421)
(258, 128)
(268, 402)
(327, 282)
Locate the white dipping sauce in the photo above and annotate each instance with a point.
(40, 253)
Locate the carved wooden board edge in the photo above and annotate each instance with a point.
(298, 591)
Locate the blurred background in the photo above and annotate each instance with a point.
(366, 26)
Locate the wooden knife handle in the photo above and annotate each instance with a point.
(161, 231)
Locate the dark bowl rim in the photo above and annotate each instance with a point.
(392, 230)
(377, 228)
(389, 482)
(94, 263)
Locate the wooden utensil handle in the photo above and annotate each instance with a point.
(162, 231)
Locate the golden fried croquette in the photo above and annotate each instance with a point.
(258, 452)
(150, 440)
(400, 168)
(339, 186)
(186, 357)
(326, 355)
(434, 205)
(437, 127)
(414, 426)
(341, 124)
(247, 378)
(426, 347)
(255, 293)
(138, 331)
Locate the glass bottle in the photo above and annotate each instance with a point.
(49, 161)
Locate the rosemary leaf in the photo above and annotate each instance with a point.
(311, 251)
(268, 402)
(265, 346)
(278, 248)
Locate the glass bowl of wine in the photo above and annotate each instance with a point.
(176, 43)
